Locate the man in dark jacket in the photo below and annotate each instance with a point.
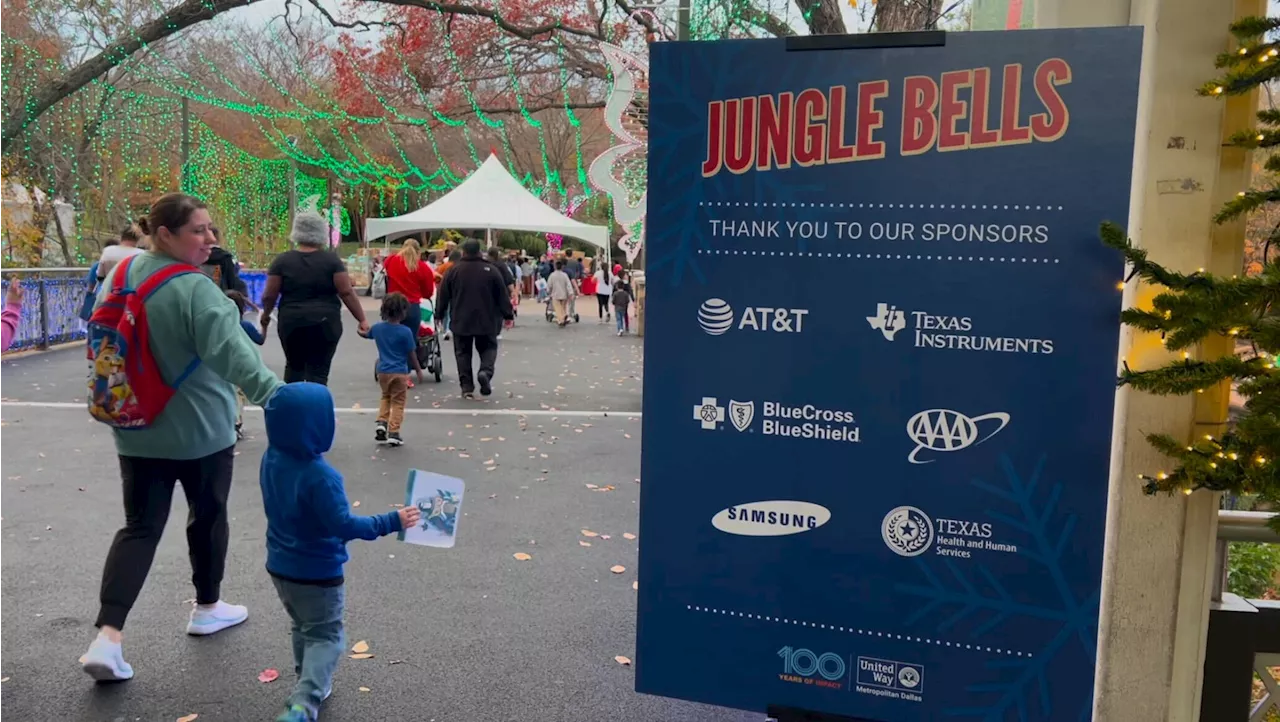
(473, 296)
(222, 268)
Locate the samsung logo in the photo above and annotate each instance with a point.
(771, 518)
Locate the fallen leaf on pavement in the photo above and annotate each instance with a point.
(355, 503)
(4, 679)
(628, 535)
(521, 556)
(188, 718)
(584, 543)
(355, 406)
(360, 656)
(268, 675)
(463, 456)
(486, 438)
(588, 532)
(626, 436)
(365, 689)
(605, 536)
(617, 569)
(592, 486)
(624, 661)
(360, 647)
(397, 661)
(635, 585)
(493, 496)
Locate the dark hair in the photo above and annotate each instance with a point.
(239, 298)
(131, 233)
(110, 242)
(455, 256)
(494, 254)
(471, 248)
(617, 285)
(172, 211)
(559, 265)
(432, 257)
(395, 307)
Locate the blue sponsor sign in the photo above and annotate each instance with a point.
(880, 361)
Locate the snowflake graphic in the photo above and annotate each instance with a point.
(1020, 688)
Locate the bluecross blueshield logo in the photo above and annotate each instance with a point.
(715, 316)
(944, 430)
(907, 531)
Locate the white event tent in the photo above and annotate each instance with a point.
(491, 199)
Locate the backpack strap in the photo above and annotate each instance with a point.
(163, 276)
(121, 280)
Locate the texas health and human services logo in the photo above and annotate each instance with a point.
(944, 430)
(907, 531)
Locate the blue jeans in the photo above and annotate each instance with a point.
(318, 638)
(620, 316)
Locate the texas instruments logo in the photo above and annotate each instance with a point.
(888, 320)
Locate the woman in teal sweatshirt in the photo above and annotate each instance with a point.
(192, 323)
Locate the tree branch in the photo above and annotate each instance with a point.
(528, 32)
(181, 17)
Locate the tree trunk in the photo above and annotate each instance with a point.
(181, 17)
(823, 16)
(904, 15)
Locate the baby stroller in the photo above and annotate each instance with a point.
(551, 311)
(428, 350)
(428, 342)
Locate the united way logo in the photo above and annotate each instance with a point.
(907, 531)
(741, 413)
(888, 320)
(709, 413)
(944, 430)
(715, 316)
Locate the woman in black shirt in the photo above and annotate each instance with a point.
(309, 281)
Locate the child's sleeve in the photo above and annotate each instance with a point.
(253, 332)
(333, 513)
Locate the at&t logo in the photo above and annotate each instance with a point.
(907, 531)
(716, 317)
(945, 430)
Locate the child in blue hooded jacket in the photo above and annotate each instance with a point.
(309, 523)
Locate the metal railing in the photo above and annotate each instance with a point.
(51, 305)
(53, 298)
(1244, 634)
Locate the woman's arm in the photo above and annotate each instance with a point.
(426, 280)
(269, 296)
(225, 348)
(347, 293)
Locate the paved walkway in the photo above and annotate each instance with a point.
(466, 635)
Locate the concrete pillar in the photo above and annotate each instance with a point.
(1159, 559)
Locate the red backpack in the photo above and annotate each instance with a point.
(126, 389)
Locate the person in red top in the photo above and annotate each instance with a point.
(408, 274)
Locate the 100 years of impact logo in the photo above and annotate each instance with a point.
(860, 494)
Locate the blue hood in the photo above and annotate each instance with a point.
(300, 420)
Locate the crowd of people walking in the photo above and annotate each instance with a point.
(171, 300)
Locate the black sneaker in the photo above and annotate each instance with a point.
(380, 432)
(239, 432)
(393, 439)
(485, 379)
(468, 394)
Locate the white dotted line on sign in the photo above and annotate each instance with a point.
(883, 256)
(864, 632)
(921, 206)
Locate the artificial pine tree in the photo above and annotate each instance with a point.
(1246, 459)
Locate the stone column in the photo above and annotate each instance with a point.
(1159, 556)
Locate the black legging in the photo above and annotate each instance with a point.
(603, 301)
(309, 345)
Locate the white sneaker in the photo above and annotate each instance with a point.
(105, 661)
(216, 618)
